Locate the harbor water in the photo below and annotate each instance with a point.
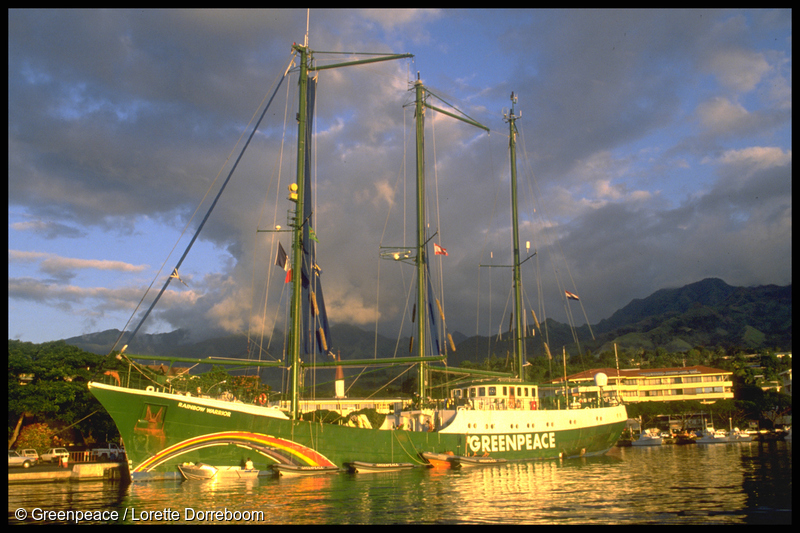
(743, 483)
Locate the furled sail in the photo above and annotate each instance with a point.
(316, 331)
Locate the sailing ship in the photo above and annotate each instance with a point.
(494, 416)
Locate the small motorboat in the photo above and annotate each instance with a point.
(438, 460)
(204, 472)
(303, 470)
(197, 472)
(649, 437)
(362, 467)
(462, 461)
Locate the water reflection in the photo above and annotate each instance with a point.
(736, 483)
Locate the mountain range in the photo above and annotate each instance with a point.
(708, 313)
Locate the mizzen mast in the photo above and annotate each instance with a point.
(519, 356)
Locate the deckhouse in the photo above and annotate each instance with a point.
(497, 395)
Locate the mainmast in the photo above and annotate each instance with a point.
(422, 240)
(421, 258)
(519, 356)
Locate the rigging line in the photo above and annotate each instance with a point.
(546, 226)
(563, 256)
(188, 223)
(440, 267)
(388, 383)
(406, 288)
(268, 280)
(401, 175)
(211, 208)
(449, 104)
(483, 251)
(546, 230)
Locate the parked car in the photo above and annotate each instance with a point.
(54, 455)
(31, 454)
(111, 452)
(15, 459)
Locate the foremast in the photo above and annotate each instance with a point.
(300, 220)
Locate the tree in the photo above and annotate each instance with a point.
(36, 436)
(47, 382)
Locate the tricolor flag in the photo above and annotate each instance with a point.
(282, 261)
(571, 296)
(438, 250)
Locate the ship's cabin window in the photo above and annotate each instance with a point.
(457, 393)
(505, 391)
(481, 391)
(472, 392)
(492, 391)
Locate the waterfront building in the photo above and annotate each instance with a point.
(645, 385)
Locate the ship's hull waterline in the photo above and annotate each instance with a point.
(162, 431)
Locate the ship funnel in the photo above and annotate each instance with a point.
(339, 384)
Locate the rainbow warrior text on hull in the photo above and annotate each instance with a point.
(495, 415)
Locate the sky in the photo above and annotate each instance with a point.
(654, 151)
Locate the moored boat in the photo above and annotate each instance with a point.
(460, 460)
(204, 472)
(197, 472)
(438, 460)
(360, 467)
(712, 436)
(648, 437)
(287, 470)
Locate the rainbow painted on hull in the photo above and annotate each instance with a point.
(265, 444)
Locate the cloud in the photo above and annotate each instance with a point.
(757, 157)
(720, 115)
(655, 148)
(49, 230)
(51, 262)
(739, 70)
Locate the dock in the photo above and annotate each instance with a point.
(77, 472)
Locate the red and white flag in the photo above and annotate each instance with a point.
(571, 296)
(438, 250)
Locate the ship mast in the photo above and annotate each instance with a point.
(519, 356)
(421, 258)
(298, 223)
(295, 311)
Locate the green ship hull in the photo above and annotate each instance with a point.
(163, 430)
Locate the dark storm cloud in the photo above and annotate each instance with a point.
(654, 146)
